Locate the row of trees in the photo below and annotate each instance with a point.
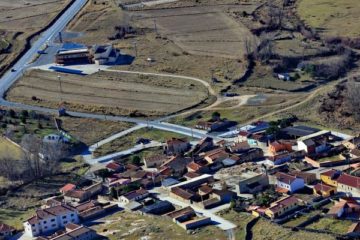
(38, 160)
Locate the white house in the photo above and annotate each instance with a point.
(105, 54)
(50, 219)
(289, 182)
(136, 195)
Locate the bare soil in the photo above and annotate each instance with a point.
(108, 92)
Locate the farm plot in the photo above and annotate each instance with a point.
(109, 92)
(201, 30)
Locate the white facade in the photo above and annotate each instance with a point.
(293, 186)
(45, 221)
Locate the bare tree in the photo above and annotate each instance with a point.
(352, 96)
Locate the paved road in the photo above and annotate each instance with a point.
(10, 77)
(93, 147)
(110, 157)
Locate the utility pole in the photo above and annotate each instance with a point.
(155, 27)
(60, 87)
(135, 48)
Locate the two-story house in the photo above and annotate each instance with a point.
(289, 182)
(50, 219)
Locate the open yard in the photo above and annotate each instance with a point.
(19, 19)
(339, 226)
(10, 150)
(132, 226)
(109, 92)
(129, 140)
(332, 17)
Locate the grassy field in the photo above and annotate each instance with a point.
(264, 229)
(10, 150)
(129, 140)
(90, 131)
(295, 222)
(132, 226)
(109, 92)
(338, 226)
(332, 17)
(240, 220)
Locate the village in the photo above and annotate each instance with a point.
(168, 119)
(277, 170)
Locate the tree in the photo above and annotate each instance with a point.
(114, 193)
(215, 116)
(136, 160)
(352, 97)
(12, 113)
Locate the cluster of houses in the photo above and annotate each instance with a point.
(303, 167)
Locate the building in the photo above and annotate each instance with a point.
(136, 195)
(73, 232)
(295, 132)
(330, 177)
(114, 167)
(73, 56)
(212, 126)
(155, 161)
(348, 184)
(177, 146)
(50, 219)
(282, 206)
(280, 146)
(309, 178)
(252, 183)
(158, 208)
(81, 195)
(104, 54)
(68, 187)
(324, 190)
(314, 143)
(187, 218)
(288, 182)
(6, 231)
(343, 207)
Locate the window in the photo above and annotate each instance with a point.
(65, 222)
(45, 227)
(63, 217)
(54, 225)
(72, 214)
(53, 220)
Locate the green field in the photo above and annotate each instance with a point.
(129, 140)
(332, 17)
(333, 225)
(10, 150)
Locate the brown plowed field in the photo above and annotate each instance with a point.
(110, 92)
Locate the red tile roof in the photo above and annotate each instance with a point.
(282, 203)
(285, 178)
(182, 193)
(349, 180)
(194, 166)
(6, 228)
(329, 173)
(113, 166)
(322, 187)
(67, 187)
